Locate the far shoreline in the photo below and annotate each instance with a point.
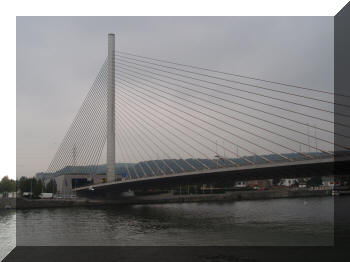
(22, 203)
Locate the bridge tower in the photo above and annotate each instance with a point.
(111, 109)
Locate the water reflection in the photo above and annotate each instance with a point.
(7, 232)
(269, 222)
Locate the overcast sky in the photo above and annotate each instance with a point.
(58, 59)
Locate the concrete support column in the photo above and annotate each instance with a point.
(111, 109)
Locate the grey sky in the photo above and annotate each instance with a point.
(59, 57)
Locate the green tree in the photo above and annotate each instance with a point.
(31, 185)
(25, 184)
(7, 185)
(315, 181)
(276, 181)
(22, 184)
(38, 187)
(51, 187)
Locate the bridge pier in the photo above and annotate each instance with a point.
(111, 109)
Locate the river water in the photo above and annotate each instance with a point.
(299, 221)
(7, 231)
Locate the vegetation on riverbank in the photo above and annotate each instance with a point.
(36, 186)
(23, 203)
(7, 185)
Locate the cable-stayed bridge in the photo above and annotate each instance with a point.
(165, 122)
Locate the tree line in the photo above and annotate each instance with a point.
(36, 186)
(7, 185)
(24, 184)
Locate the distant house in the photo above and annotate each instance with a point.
(288, 182)
(240, 184)
(27, 194)
(261, 183)
(302, 185)
(8, 195)
(330, 181)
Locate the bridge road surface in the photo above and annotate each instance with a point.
(300, 168)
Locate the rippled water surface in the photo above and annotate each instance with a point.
(7, 232)
(299, 221)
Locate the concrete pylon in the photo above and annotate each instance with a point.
(111, 109)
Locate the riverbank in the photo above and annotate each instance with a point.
(229, 196)
(7, 203)
(22, 203)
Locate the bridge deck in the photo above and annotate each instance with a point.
(314, 163)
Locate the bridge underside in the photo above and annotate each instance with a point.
(286, 170)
